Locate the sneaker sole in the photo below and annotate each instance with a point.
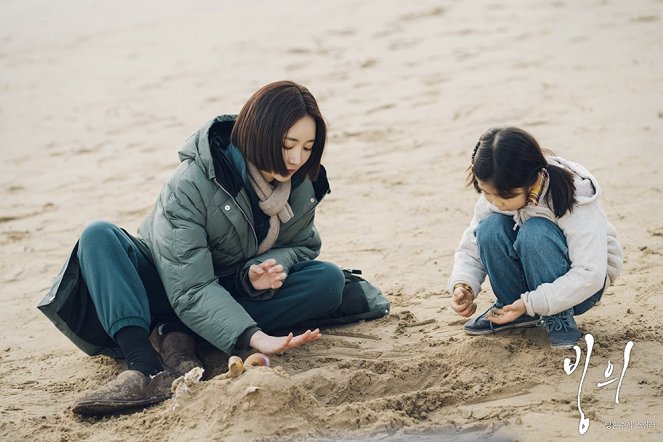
(95, 408)
(500, 329)
(563, 347)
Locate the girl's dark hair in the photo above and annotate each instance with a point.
(264, 121)
(510, 159)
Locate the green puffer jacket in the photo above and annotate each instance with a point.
(201, 238)
(200, 232)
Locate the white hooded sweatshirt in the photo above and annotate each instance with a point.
(592, 244)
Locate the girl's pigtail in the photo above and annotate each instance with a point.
(561, 190)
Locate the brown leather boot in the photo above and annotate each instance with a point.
(130, 389)
(177, 350)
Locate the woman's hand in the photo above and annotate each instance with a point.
(267, 344)
(267, 275)
(462, 302)
(508, 313)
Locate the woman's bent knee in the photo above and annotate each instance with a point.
(98, 230)
(330, 280)
(97, 235)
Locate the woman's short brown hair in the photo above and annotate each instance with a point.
(264, 121)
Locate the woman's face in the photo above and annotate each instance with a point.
(518, 201)
(297, 148)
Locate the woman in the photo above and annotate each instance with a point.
(227, 253)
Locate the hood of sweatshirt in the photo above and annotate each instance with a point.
(587, 188)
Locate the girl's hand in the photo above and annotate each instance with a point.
(508, 313)
(462, 302)
(267, 275)
(267, 344)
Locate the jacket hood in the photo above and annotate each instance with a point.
(587, 188)
(197, 146)
(210, 148)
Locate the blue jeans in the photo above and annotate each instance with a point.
(520, 260)
(126, 289)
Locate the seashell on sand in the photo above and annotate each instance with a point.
(235, 367)
(256, 360)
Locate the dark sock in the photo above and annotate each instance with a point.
(137, 349)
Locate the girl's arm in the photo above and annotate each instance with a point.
(585, 229)
(467, 267)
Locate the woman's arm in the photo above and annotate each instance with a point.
(182, 256)
(304, 246)
(277, 344)
(179, 246)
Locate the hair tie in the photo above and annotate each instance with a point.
(474, 152)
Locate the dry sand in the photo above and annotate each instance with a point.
(96, 98)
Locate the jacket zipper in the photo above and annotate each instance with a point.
(255, 236)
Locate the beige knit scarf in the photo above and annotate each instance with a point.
(273, 202)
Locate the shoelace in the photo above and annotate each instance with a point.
(492, 328)
(556, 322)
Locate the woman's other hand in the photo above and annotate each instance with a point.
(267, 275)
(462, 302)
(267, 344)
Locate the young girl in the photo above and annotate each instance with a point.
(227, 252)
(539, 234)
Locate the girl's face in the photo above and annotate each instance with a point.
(518, 201)
(297, 148)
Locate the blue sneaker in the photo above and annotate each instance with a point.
(562, 329)
(482, 326)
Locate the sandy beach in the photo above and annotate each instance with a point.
(96, 98)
